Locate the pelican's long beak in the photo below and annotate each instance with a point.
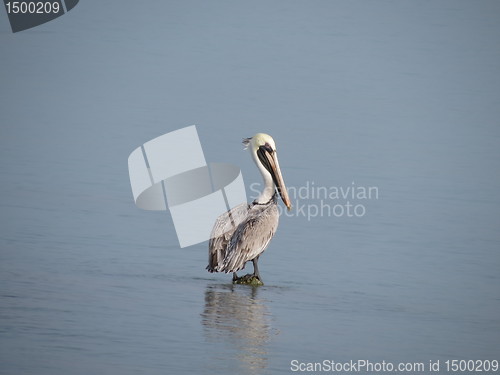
(274, 169)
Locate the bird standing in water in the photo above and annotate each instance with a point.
(244, 232)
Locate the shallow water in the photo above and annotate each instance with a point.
(398, 96)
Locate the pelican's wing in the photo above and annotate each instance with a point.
(224, 227)
(251, 238)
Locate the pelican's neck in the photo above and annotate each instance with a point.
(269, 187)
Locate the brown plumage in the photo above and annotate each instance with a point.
(231, 246)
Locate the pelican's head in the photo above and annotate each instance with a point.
(263, 150)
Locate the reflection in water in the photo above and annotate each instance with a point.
(235, 316)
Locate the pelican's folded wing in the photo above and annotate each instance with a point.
(251, 237)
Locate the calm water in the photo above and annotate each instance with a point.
(400, 96)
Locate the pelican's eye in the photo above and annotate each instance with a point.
(268, 148)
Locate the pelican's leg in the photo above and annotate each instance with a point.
(235, 276)
(255, 268)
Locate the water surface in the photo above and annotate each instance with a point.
(402, 96)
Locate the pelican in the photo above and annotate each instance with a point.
(244, 232)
